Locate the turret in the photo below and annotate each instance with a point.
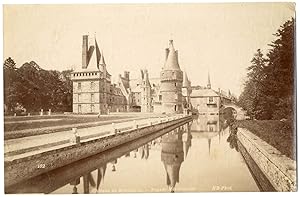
(146, 92)
(186, 91)
(171, 82)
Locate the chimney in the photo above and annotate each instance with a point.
(84, 51)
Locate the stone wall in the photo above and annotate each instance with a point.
(200, 104)
(279, 170)
(66, 174)
(26, 167)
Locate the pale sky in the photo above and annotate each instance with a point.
(219, 38)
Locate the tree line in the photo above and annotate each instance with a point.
(269, 91)
(31, 88)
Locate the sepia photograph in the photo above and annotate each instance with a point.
(175, 97)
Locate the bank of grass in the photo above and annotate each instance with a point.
(62, 120)
(279, 134)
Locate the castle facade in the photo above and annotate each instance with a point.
(94, 92)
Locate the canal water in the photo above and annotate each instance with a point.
(195, 157)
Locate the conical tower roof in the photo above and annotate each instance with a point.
(102, 61)
(172, 59)
(185, 80)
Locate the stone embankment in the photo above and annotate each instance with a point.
(272, 170)
(25, 166)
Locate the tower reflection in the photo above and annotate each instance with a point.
(174, 148)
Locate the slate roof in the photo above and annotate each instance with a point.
(204, 93)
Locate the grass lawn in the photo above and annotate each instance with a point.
(63, 120)
(279, 134)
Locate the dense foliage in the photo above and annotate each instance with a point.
(269, 89)
(31, 88)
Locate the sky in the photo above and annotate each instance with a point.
(217, 38)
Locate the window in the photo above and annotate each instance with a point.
(211, 99)
(92, 85)
(92, 97)
(79, 97)
(160, 97)
(92, 108)
(175, 84)
(79, 86)
(79, 108)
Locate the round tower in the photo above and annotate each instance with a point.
(171, 78)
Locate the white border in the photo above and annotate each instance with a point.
(129, 1)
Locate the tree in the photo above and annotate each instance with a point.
(281, 64)
(250, 99)
(10, 87)
(269, 89)
(34, 88)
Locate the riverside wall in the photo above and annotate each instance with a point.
(22, 168)
(271, 169)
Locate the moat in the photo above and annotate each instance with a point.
(193, 157)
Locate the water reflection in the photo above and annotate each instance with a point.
(172, 155)
(177, 161)
(208, 127)
(174, 149)
(230, 121)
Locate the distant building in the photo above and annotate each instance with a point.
(93, 91)
(205, 100)
(142, 92)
